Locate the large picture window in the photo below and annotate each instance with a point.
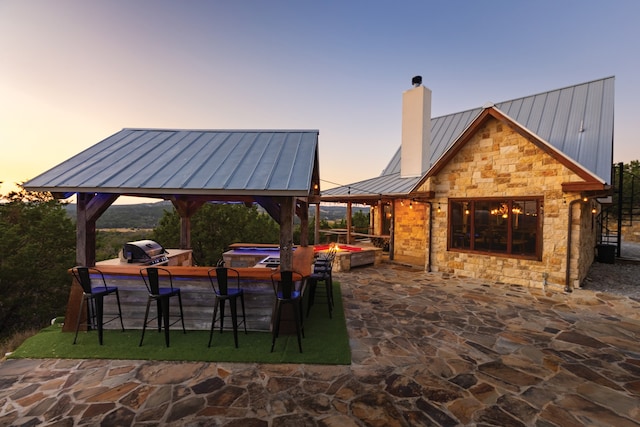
(500, 226)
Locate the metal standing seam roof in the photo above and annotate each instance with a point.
(575, 120)
(196, 162)
(382, 185)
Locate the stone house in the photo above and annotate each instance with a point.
(508, 192)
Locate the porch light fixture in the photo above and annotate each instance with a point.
(439, 210)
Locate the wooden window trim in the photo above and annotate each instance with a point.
(508, 253)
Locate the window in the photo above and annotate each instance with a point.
(500, 226)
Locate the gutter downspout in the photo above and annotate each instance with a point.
(391, 229)
(429, 236)
(620, 183)
(567, 287)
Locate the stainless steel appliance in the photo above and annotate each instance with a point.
(144, 252)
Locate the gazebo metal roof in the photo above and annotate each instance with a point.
(160, 162)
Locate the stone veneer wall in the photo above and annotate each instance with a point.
(410, 234)
(586, 242)
(498, 162)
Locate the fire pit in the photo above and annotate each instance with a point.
(349, 256)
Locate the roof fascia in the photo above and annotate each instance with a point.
(582, 186)
(159, 192)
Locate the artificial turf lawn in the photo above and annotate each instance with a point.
(326, 342)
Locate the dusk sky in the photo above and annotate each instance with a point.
(74, 72)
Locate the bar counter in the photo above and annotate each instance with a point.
(197, 294)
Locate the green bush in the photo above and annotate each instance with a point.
(37, 247)
(215, 226)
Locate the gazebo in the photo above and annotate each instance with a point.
(277, 169)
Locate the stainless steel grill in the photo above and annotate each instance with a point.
(144, 252)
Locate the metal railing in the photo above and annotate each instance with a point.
(624, 209)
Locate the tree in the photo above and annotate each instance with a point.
(629, 195)
(630, 181)
(37, 247)
(215, 226)
(360, 221)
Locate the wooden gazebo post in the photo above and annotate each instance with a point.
(88, 209)
(316, 228)
(186, 208)
(302, 210)
(287, 206)
(349, 224)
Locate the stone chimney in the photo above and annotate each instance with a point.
(416, 130)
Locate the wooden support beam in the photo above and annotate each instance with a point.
(379, 228)
(349, 226)
(89, 207)
(186, 208)
(287, 206)
(302, 210)
(316, 231)
(271, 205)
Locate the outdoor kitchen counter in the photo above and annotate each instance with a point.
(197, 295)
(302, 263)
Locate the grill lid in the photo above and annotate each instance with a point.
(142, 250)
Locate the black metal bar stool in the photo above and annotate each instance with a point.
(223, 293)
(286, 294)
(322, 268)
(94, 297)
(161, 295)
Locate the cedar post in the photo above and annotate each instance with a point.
(287, 205)
(303, 214)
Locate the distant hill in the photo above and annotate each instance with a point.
(335, 213)
(148, 215)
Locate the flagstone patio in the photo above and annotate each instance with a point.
(427, 349)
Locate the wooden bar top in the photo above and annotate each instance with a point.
(302, 263)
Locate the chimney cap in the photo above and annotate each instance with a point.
(416, 81)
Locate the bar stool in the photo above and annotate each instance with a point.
(284, 288)
(322, 268)
(223, 293)
(161, 295)
(94, 297)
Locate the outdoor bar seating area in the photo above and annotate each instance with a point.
(199, 294)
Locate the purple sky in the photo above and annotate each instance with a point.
(74, 72)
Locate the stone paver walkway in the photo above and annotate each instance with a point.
(427, 350)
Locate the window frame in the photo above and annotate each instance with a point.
(470, 241)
